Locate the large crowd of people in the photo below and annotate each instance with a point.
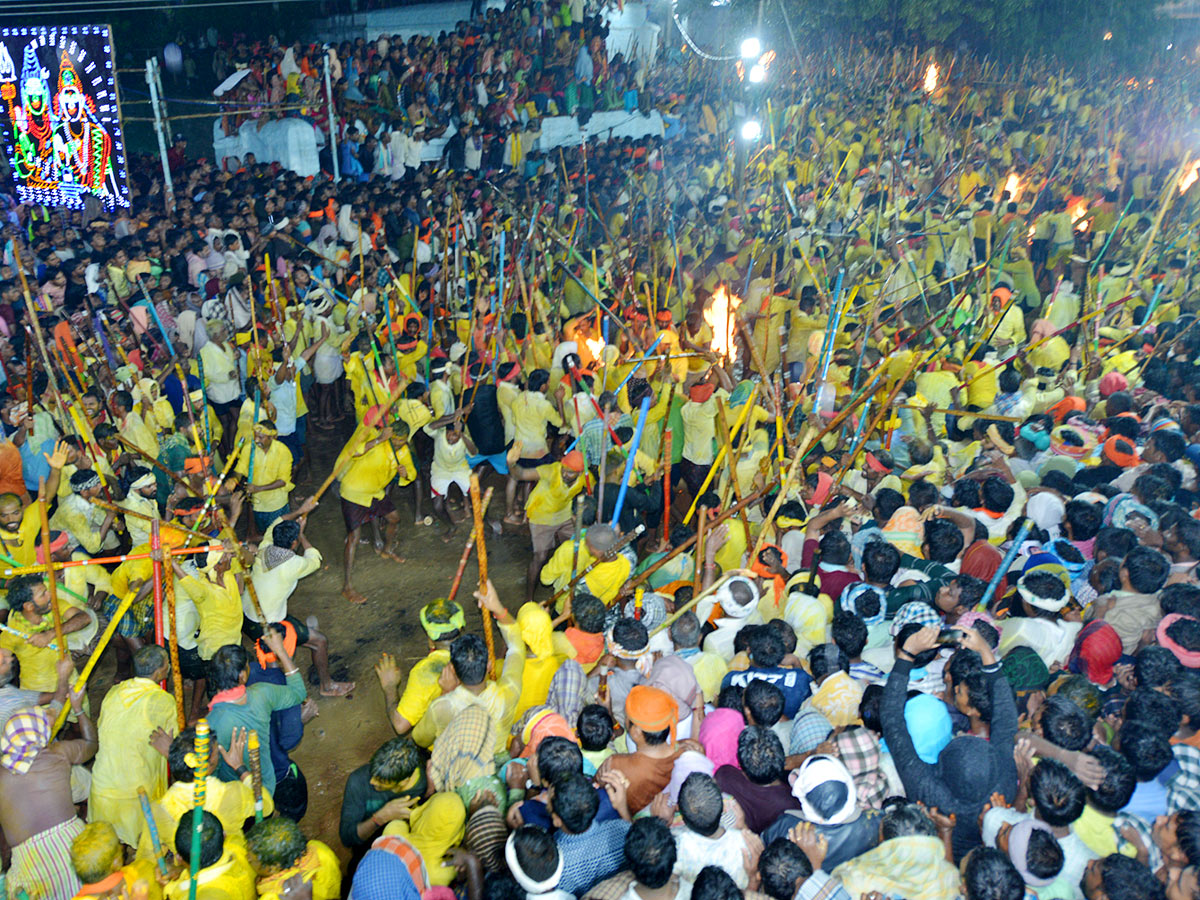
(856, 472)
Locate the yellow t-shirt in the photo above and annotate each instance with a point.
(422, 688)
(272, 464)
(604, 580)
(700, 428)
(549, 502)
(530, 413)
(367, 478)
(220, 610)
(319, 865)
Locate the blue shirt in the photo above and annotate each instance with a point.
(592, 856)
(34, 466)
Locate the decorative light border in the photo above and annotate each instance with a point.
(91, 49)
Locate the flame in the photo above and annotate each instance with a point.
(1077, 211)
(596, 346)
(1188, 178)
(931, 78)
(1013, 185)
(721, 317)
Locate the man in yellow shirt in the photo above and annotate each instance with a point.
(97, 855)
(271, 481)
(131, 426)
(279, 851)
(529, 413)
(605, 578)
(224, 869)
(365, 484)
(465, 682)
(548, 509)
(136, 718)
(217, 593)
(30, 631)
(443, 621)
(699, 416)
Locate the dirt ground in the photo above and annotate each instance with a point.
(348, 730)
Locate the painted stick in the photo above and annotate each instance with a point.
(52, 583)
(629, 460)
(699, 573)
(477, 514)
(252, 750)
(100, 561)
(1005, 564)
(198, 760)
(152, 827)
(466, 554)
(168, 578)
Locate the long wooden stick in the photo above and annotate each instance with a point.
(152, 827)
(174, 476)
(466, 554)
(52, 582)
(698, 575)
(113, 507)
(481, 544)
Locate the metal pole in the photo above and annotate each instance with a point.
(333, 150)
(162, 98)
(168, 186)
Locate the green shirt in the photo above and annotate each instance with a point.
(253, 711)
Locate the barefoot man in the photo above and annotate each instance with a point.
(284, 557)
(365, 498)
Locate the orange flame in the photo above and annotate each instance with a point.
(1188, 178)
(931, 78)
(1013, 185)
(596, 346)
(1077, 211)
(721, 317)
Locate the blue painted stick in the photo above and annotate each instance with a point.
(152, 827)
(253, 422)
(634, 370)
(1018, 540)
(629, 460)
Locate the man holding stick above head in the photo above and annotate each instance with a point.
(271, 481)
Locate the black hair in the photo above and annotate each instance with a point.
(594, 727)
(714, 883)
(867, 603)
(396, 760)
(944, 540)
(286, 533)
(20, 589)
(1119, 783)
(782, 867)
(834, 548)
(1124, 878)
(212, 839)
(558, 758)
(887, 501)
(997, 494)
(225, 668)
(1181, 598)
(277, 841)
(730, 697)
(849, 633)
(1147, 749)
(1058, 795)
(630, 634)
(1154, 708)
(1187, 833)
(826, 659)
(922, 493)
(650, 851)
(576, 803)
(1185, 633)
(990, 875)
(701, 804)
(468, 656)
(1147, 569)
(880, 561)
(979, 696)
(763, 701)
(786, 633)
(925, 657)
(904, 820)
(1185, 690)
(536, 852)
(965, 493)
(1043, 854)
(766, 647)
(538, 379)
(760, 754)
(1084, 518)
(1066, 725)
(1113, 541)
(588, 612)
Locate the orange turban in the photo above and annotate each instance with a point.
(651, 710)
(1066, 407)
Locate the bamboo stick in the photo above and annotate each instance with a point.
(481, 544)
(52, 583)
(466, 554)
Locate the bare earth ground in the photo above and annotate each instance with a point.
(348, 730)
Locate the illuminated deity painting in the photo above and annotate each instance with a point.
(62, 129)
